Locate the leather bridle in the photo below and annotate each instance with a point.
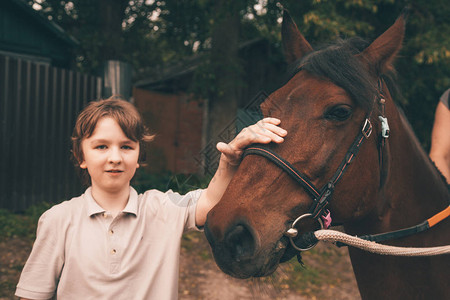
(318, 210)
(321, 197)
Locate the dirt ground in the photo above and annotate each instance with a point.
(327, 274)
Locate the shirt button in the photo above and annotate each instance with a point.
(113, 251)
(111, 232)
(105, 215)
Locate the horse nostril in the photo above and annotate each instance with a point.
(240, 242)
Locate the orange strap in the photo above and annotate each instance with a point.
(439, 217)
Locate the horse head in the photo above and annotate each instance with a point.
(333, 98)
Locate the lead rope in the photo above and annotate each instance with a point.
(340, 238)
(343, 239)
(368, 242)
(334, 236)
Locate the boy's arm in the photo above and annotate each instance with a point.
(263, 132)
(40, 275)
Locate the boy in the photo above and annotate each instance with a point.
(111, 243)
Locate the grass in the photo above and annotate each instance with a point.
(18, 230)
(303, 279)
(21, 225)
(308, 280)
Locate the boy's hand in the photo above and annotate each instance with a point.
(263, 132)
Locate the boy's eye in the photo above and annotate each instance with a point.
(100, 147)
(126, 147)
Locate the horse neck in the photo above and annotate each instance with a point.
(413, 192)
(414, 189)
(413, 179)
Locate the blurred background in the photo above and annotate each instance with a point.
(196, 69)
(193, 68)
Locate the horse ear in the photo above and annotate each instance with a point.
(382, 52)
(294, 43)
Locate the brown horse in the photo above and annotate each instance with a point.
(389, 185)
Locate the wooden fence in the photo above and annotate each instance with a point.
(38, 107)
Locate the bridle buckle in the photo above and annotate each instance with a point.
(367, 129)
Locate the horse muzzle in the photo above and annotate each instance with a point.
(238, 253)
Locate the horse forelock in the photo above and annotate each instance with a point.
(339, 62)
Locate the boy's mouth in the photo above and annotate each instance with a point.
(114, 171)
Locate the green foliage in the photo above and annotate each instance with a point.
(423, 65)
(156, 34)
(181, 183)
(13, 225)
(21, 225)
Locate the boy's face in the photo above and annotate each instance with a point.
(110, 157)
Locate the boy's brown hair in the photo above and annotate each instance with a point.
(123, 112)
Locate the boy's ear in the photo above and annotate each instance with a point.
(83, 165)
(137, 166)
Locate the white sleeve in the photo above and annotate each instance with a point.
(187, 205)
(43, 268)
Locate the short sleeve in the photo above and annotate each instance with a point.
(43, 268)
(187, 205)
(444, 98)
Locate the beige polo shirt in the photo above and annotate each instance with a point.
(81, 252)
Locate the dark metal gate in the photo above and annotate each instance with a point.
(38, 107)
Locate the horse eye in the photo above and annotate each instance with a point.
(338, 113)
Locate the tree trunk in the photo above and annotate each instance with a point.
(223, 103)
(111, 14)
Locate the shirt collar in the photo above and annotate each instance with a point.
(93, 208)
(132, 205)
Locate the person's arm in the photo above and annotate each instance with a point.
(263, 132)
(440, 140)
(41, 273)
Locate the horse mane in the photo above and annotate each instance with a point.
(340, 63)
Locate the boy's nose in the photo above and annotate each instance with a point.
(115, 156)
